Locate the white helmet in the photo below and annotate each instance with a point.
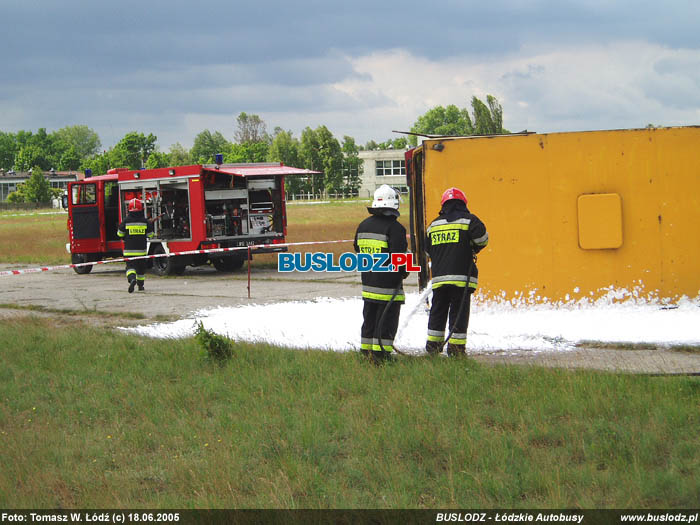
(386, 197)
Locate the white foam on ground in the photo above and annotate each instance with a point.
(334, 324)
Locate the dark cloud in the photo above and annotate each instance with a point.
(121, 34)
(117, 36)
(155, 61)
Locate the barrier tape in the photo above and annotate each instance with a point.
(171, 254)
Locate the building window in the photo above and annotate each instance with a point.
(403, 190)
(391, 167)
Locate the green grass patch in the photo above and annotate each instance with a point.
(686, 349)
(33, 238)
(325, 213)
(94, 418)
(617, 346)
(73, 312)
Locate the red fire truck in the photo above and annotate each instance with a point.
(195, 207)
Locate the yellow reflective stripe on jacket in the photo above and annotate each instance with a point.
(444, 237)
(459, 284)
(455, 280)
(375, 236)
(135, 254)
(137, 228)
(482, 241)
(383, 296)
(371, 245)
(448, 226)
(439, 223)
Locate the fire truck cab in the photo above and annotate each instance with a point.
(196, 207)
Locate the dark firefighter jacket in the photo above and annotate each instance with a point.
(134, 230)
(381, 233)
(452, 240)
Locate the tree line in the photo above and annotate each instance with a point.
(78, 147)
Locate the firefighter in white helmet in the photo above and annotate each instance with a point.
(382, 292)
(134, 230)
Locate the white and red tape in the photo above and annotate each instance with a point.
(171, 254)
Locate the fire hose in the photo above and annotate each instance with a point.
(383, 316)
(463, 302)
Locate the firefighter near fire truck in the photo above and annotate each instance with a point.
(135, 230)
(382, 292)
(195, 211)
(453, 240)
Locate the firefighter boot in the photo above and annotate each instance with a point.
(433, 347)
(456, 350)
(132, 285)
(378, 357)
(141, 287)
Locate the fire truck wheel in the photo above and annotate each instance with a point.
(167, 265)
(77, 258)
(227, 264)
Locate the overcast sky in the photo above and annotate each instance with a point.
(363, 68)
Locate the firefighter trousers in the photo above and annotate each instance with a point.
(372, 313)
(136, 270)
(447, 300)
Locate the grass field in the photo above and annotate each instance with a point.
(29, 237)
(91, 417)
(98, 419)
(34, 238)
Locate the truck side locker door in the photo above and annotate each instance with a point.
(198, 215)
(85, 216)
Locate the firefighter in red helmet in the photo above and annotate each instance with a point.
(453, 240)
(134, 230)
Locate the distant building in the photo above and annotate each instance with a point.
(9, 180)
(383, 167)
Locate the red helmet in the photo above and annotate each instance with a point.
(135, 205)
(453, 193)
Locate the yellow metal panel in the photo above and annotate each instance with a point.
(526, 188)
(599, 221)
(677, 222)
